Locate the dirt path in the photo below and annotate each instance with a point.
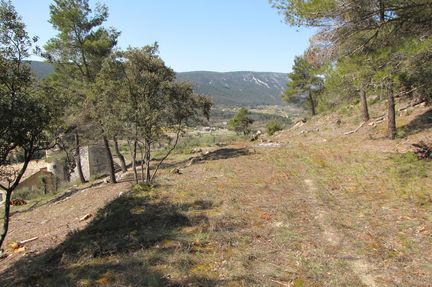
(53, 221)
(361, 267)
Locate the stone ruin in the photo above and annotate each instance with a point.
(93, 162)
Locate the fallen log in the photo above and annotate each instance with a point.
(411, 106)
(356, 130)
(379, 118)
(85, 217)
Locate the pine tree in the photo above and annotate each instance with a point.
(303, 80)
(77, 52)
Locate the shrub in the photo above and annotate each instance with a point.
(273, 126)
(241, 123)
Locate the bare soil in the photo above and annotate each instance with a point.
(54, 220)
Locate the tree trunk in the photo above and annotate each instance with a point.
(382, 11)
(312, 103)
(391, 112)
(6, 216)
(134, 152)
(27, 157)
(148, 158)
(120, 156)
(78, 159)
(166, 156)
(364, 105)
(143, 160)
(110, 160)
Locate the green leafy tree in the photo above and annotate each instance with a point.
(240, 122)
(25, 114)
(305, 81)
(152, 107)
(416, 71)
(107, 101)
(348, 80)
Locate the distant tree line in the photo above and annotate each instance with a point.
(362, 47)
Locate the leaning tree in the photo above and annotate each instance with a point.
(25, 111)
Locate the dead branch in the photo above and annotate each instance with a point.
(423, 150)
(85, 217)
(356, 130)
(21, 243)
(410, 106)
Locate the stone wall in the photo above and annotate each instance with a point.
(93, 162)
(34, 182)
(97, 161)
(57, 168)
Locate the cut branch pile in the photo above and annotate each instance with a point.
(423, 150)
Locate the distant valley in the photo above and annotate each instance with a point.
(229, 89)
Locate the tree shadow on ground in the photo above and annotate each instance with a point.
(421, 122)
(58, 197)
(118, 248)
(225, 153)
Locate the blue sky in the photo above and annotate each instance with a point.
(213, 35)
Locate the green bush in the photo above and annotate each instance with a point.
(241, 123)
(273, 126)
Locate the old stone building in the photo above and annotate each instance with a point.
(93, 161)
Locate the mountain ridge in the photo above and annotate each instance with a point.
(233, 88)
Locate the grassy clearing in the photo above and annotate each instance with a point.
(379, 203)
(220, 223)
(36, 197)
(339, 168)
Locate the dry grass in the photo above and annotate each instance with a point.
(312, 213)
